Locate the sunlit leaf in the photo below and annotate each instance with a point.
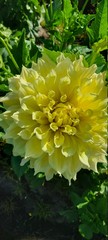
(99, 25)
(4, 88)
(67, 8)
(101, 45)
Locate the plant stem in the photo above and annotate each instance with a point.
(7, 71)
(93, 58)
(10, 54)
(84, 6)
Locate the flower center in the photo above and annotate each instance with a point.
(63, 117)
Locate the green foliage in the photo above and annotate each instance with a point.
(54, 54)
(15, 52)
(35, 181)
(98, 27)
(64, 23)
(20, 14)
(42, 211)
(89, 203)
(5, 32)
(101, 45)
(19, 171)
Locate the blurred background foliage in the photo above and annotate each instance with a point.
(26, 26)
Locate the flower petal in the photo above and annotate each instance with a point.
(33, 148)
(47, 143)
(58, 162)
(58, 139)
(84, 159)
(69, 147)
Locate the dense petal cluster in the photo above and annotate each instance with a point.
(55, 116)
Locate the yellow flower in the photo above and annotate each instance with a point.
(55, 116)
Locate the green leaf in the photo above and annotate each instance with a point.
(82, 50)
(103, 21)
(20, 53)
(57, 5)
(99, 60)
(101, 207)
(101, 45)
(53, 12)
(34, 52)
(71, 215)
(86, 231)
(34, 181)
(36, 4)
(10, 55)
(4, 88)
(75, 198)
(99, 25)
(90, 33)
(5, 32)
(67, 8)
(22, 50)
(1, 107)
(81, 205)
(53, 54)
(7, 149)
(19, 170)
(1, 62)
(1, 135)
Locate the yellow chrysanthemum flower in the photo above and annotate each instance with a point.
(55, 116)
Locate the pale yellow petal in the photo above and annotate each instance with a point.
(29, 74)
(23, 161)
(40, 85)
(28, 104)
(33, 148)
(73, 167)
(23, 119)
(58, 139)
(47, 143)
(14, 83)
(58, 162)
(44, 66)
(41, 131)
(42, 165)
(19, 147)
(84, 159)
(62, 67)
(12, 131)
(70, 146)
(40, 117)
(42, 100)
(26, 133)
(10, 99)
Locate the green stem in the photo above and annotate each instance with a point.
(84, 6)
(10, 54)
(7, 71)
(93, 58)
